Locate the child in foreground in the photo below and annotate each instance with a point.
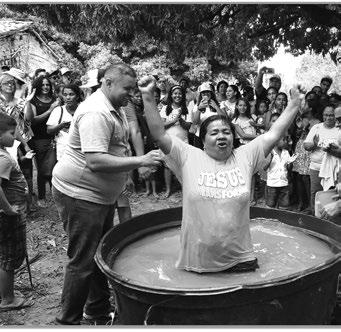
(13, 190)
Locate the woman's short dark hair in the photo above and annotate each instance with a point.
(75, 88)
(217, 117)
(38, 83)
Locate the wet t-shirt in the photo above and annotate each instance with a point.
(215, 233)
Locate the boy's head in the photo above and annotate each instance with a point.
(7, 130)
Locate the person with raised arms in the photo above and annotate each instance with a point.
(216, 181)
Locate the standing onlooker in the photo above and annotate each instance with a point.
(58, 123)
(175, 122)
(189, 94)
(13, 189)
(271, 94)
(277, 184)
(221, 91)
(162, 85)
(65, 76)
(39, 105)
(279, 105)
(274, 81)
(87, 182)
(243, 122)
(229, 105)
(207, 105)
(262, 107)
(325, 84)
(245, 129)
(319, 137)
(14, 107)
(301, 164)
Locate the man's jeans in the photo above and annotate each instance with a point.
(85, 286)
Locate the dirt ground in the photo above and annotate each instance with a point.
(46, 238)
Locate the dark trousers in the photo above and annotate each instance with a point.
(42, 148)
(85, 286)
(303, 190)
(315, 186)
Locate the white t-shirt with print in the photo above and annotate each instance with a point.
(215, 230)
(62, 137)
(277, 173)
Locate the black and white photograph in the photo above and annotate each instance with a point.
(170, 164)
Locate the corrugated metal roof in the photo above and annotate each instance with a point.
(8, 27)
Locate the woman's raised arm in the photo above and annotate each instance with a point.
(282, 124)
(155, 123)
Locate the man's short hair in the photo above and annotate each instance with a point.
(119, 69)
(328, 79)
(6, 122)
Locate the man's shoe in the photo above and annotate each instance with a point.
(107, 319)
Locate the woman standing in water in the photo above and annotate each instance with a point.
(216, 181)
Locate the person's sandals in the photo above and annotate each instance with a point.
(22, 303)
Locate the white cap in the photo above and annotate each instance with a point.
(65, 70)
(206, 86)
(91, 78)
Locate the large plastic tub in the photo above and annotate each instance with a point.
(302, 299)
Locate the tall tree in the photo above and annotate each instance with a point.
(220, 32)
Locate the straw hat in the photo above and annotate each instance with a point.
(91, 79)
(17, 73)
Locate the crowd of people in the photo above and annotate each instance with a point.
(92, 142)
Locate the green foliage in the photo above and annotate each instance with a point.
(313, 67)
(97, 56)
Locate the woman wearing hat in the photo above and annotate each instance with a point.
(174, 115)
(14, 107)
(207, 105)
(216, 181)
(21, 85)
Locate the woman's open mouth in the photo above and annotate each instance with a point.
(222, 144)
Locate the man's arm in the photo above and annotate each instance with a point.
(107, 163)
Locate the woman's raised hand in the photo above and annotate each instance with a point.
(147, 84)
(297, 92)
(31, 95)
